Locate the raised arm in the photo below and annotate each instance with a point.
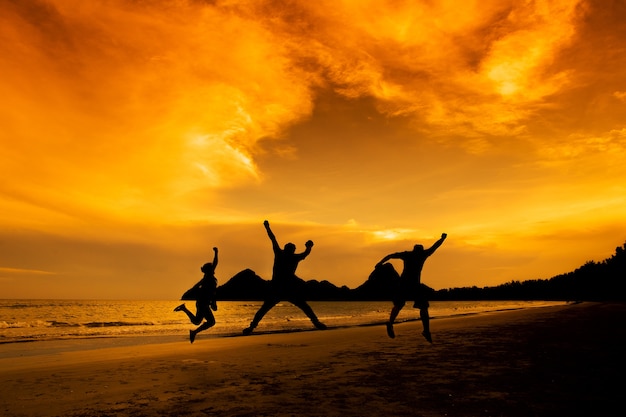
(215, 258)
(271, 235)
(309, 245)
(436, 245)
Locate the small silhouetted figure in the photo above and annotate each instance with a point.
(285, 285)
(409, 285)
(204, 292)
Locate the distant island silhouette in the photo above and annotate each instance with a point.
(593, 281)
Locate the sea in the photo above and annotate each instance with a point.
(37, 321)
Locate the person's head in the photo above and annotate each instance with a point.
(418, 248)
(207, 268)
(290, 248)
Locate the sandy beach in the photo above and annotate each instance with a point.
(548, 361)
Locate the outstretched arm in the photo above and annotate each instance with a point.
(388, 257)
(271, 235)
(214, 259)
(438, 243)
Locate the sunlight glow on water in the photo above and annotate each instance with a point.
(34, 320)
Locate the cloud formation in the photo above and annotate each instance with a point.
(498, 121)
(180, 93)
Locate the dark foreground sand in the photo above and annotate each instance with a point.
(550, 361)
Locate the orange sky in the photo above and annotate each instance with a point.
(138, 135)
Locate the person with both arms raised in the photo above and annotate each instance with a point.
(285, 285)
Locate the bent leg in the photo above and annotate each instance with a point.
(193, 318)
(204, 326)
(210, 322)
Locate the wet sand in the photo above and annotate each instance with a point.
(551, 361)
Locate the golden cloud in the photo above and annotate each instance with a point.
(118, 104)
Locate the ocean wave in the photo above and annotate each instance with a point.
(71, 319)
(54, 323)
(5, 325)
(62, 324)
(17, 306)
(24, 324)
(117, 323)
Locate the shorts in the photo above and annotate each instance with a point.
(288, 289)
(405, 289)
(203, 308)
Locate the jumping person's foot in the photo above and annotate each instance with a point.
(390, 331)
(319, 325)
(192, 336)
(427, 336)
(248, 330)
(180, 307)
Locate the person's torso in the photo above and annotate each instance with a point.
(208, 286)
(413, 264)
(284, 266)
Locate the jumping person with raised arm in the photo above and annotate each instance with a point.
(285, 285)
(410, 284)
(204, 292)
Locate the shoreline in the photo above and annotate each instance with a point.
(37, 347)
(149, 337)
(543, 361)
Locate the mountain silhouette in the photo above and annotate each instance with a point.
(594, 281)
(379, 285)
(248, 286)
(244, 286)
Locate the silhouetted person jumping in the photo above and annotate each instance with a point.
(285, 285)
(409, 285)
(204, 292)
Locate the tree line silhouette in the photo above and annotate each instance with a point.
(593, 281)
